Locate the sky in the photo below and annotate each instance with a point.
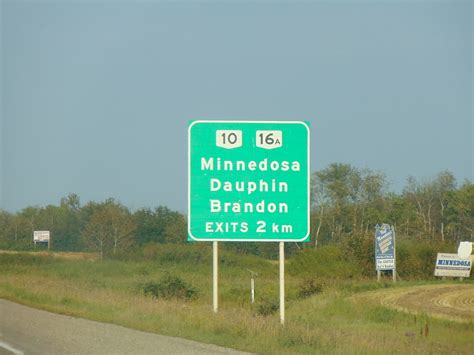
(96, 96)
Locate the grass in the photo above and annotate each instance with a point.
(331, 321)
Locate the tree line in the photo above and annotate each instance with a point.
(346, 204)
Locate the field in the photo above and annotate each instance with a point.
(326, 314)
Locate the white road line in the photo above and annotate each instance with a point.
(10, 348)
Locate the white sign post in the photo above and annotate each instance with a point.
(214, 276)
(282, 282)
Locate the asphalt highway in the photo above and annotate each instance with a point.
(24, 330)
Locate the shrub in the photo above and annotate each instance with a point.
(309, 288)
(416, 259)
(170, 287)
(267, 307)
(326, 262)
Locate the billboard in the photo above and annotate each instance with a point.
(452, 265)
(41, 236)
(384, 247)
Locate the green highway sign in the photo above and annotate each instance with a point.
(248, 181)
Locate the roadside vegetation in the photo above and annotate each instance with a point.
(326, 311)
(135, 268)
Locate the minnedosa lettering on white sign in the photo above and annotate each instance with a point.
(452, 265)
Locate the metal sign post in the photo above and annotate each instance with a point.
(282, 283)
(214, 276)
(252, 290)
(394, 270)
(253, 274)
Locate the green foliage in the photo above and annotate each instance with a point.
(309, 288)
(174, 253)
(381, 314)
(416, 259)
(170, 287)
(159, 226)
(361, 250)
(267, 307)
(326, 262)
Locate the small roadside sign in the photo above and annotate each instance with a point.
(41, 236)
(452, 265)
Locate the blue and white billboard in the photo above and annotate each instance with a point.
(384, 247)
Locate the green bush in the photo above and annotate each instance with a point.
(416, 259)
(360, 249)
(309, 288)
(170, 287)
(329, 261)
(267, 307)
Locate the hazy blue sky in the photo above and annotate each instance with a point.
(96, 96)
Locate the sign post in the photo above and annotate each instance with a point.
(215, 250)
(253, 274)
(248, 181)
(282, 283)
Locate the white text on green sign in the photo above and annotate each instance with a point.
(248, 181)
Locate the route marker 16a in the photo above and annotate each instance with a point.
(230, 139)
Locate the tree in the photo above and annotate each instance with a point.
(422, 196)
(339, 184)
(152, 224)
(109, 229)
(176, 231)
(460, 212)
(443, 186)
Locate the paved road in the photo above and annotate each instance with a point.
(25, 330)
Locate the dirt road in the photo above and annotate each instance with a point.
(447, 301)
(25, 330)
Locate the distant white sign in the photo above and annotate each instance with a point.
(452, 265)
(465, 250)
(41, 236)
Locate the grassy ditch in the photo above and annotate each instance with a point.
(172, 296)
